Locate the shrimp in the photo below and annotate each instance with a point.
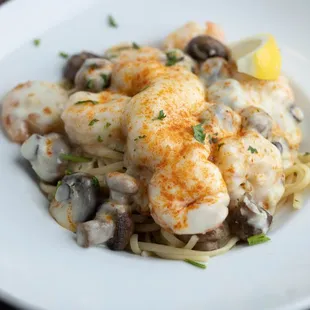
(186, 192)
(251, 164)
(180, 37)
(93, 121)
(33, 107)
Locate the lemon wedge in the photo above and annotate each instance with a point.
(258, 56)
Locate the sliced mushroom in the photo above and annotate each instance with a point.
(214, 69)
(112, 225)
(121, 186)
(248, 218)
(297, 113)
(75, 200)
(203, 47)
(278, 145)
(43, 154)
(94, 75)
(212, 240)
(254, 118)
(74, 64)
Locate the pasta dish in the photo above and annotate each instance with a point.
(178, 152)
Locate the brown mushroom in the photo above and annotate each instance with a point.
(256, 119)
(112, 225)
(212, 240)
(203, 47)
(248, 218)
(297, 113)
(74, 64)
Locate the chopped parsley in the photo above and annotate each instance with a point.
(252, 150)
(196, 264)
(63, 55)
(140, 137)
(160, 116)
(172, 58)
(99, 139)
(74, 158)
(68, 171)
(219, 146)
(307, 153)
(111, 21)
(107, 125)
(257, 239)
(36, 42)
(199, 135)
(58, 184)
(135, 45)
(95, 182)
(86, 101)
(106, 79)
(93, 121)
(89, 84)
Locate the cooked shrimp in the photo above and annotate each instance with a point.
(33, 107)
(93, 121)
(181, 36)
(251, 164)
(274, 97)
(180, 198)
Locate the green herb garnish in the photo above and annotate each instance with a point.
(105, 78)
(68, 172)
(196, 264)
(63, 55)
(219, 146)
(89, 84)
(140, 137)
(160, 116)
(85, 101)
(257, 239)
(252, 150)
(36, 42)
(93, 121)
(99, 139)
(135, 45)
(95, 182)
(107, 125)
(74, 158)
(172, 58)
(112, 22)
(58, 184)
(199, 135)
(307, 153)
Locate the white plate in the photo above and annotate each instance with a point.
(41, 265)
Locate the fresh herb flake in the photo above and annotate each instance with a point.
(135, 45)
(93, 121)
(161, 116)
(140, 137)
(58, 184)
(196, 264)
(106, 80)
(199, 135)
(257, 239)
(172, 58)
(74, 158)
(95, 182)
(111, 21)
(86, 101)
(68, 171)
(63, 55)
(219, 146)
(252, 150)
(107, 125)
(306, 154)
(99, 139)
(36, 42)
